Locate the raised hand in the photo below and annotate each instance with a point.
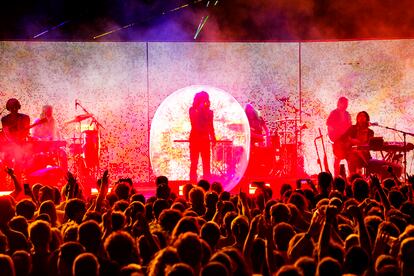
(9, 171)
(374, 180)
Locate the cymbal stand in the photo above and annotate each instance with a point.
(297, 132)
(404, 133)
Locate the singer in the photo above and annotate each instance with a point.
(201, 135)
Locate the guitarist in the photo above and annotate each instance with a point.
(338, 122)
(15, 133)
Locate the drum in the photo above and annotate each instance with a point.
(91, 148)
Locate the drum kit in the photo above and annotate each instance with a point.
(85, 146)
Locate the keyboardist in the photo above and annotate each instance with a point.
(46, 131)
(357, 135)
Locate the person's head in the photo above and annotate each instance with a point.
(40, 234)
(215, 268)
(284, 188)
(189, 249)
(356, 260)
(163, 191)
(122, 190)
(48, 207)
(385, 260)
(168, 219)
(204, 184)
(121, 248)
(163, 258)
(362, 119)
(239, 263)
(299, 201)
(325, 181)
(258, 255)
(282, 233)
(67, 255)
(217, 187)
(196, 197)
(13, 105)
(47, 111)
(89, 235)
(360, 189)
(46, 193)
(289, 270)
(186, 224)
(26, 208)
(159, 206)
(75, 209)
(240, 228)
(211, 199)
(396, 198)
(342, 103)
(19, 223)
(406, 254)
(179, 269)
(22, 261)
(162, 179)
(144, 247)
(137, 197)
(307, 265)
(210, 232)
(6, 265)
(339, 184)
(201, 100)
(85, 264)
(7, 209)
(329, 267)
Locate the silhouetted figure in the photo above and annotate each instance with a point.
(201, 134)
(338, 122)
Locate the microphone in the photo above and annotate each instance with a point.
(373, 124)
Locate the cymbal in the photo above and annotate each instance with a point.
(288, 120)
(79, 118)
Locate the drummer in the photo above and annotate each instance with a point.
(259, 133)
(46, 131)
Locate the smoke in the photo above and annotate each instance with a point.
(236, 20)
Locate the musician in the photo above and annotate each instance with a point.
(15, 125)
(338, 122)
(259, 132)
(201, 135)
(359, 135)
(262, 151)
(45, 131)
(16, 128)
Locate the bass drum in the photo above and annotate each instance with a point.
(91, 148)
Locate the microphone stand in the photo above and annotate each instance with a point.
(404, 133)
(298, 132)
(98, 126)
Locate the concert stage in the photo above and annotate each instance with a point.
(128, 102)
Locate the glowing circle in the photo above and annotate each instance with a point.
(170, 129)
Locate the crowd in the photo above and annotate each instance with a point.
(354, 226)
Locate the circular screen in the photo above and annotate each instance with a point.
(170, 129)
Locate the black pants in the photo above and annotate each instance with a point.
(198, 148)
